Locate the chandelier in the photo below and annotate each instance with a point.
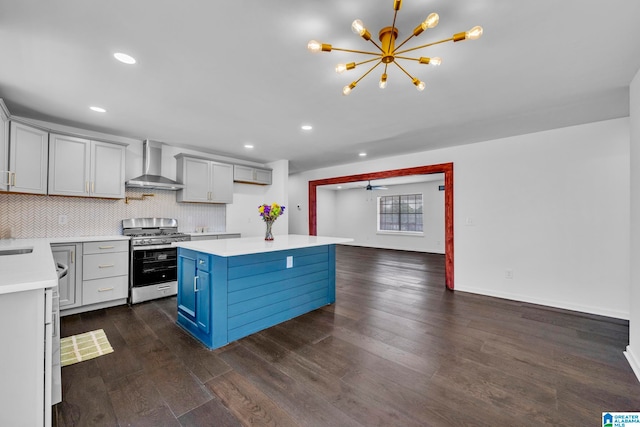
(389, 53)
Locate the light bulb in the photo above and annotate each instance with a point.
(436, 60)
(383, 81)
(419, 84)
(347, 89)
(431, 21)
(474, 33)
(314, 46)
(358, 27)
(341, 68)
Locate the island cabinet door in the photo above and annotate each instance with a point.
(203, 301)
(187, 282)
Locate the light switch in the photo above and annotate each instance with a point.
(289, 261)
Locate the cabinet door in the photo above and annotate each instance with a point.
(69, 165)
(4, 148)
(203, 301)
(221, 183)
(186, 292)
(263, 176)
(28, 152)
(67, 285)
(243, 173)
(107, 170)
(195, 177)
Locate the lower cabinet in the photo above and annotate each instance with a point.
(194, 293)
(69, 287)
(98, 275)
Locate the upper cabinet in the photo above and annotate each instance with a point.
(28, 150)
(4, 147)
(81, 167)
(251, 175)
(205, 181)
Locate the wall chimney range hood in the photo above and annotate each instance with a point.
(151, 169)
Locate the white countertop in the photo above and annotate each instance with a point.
(35, 270)
(254, 245)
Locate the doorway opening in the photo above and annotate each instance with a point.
(444, 168)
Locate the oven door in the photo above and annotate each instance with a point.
(152, 266)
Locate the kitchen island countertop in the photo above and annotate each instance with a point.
(254, 245)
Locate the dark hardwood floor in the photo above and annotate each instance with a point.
(397, 349)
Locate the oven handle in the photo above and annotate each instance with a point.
(151, 247)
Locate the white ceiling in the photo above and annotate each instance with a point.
(217, 75)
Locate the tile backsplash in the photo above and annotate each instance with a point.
(29, 216)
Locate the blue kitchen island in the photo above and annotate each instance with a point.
(228, 289)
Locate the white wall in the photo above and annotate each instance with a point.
(633, 350)
(553, 207)
(353, 213)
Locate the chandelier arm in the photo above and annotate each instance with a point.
(423, 46)
(406, 57)
(370, 70)
(357, 51)
(401, 44)
(376, 45)
(405, 71)
(368, 60)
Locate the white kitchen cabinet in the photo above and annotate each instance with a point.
(101, 275)
(4, 147)
(205, 181)
(81, 167)
(69, 287)
(24, 337)
(105, 271)
(251, 175)
(28, 155)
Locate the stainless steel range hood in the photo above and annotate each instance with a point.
(151, 168)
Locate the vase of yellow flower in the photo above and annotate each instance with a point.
(269, 214)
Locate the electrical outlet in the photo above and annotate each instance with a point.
(63, 220)
(508, 274)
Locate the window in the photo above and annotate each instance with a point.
(402, 213)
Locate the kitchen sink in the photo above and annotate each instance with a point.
(16, 251)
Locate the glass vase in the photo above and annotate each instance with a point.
(268, 234)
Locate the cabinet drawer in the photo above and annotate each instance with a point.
(97, 266)
(100, 290)
(106, 247)
(202, 262)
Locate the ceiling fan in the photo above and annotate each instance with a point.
(370, 187)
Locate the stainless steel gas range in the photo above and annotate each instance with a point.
(153, 266)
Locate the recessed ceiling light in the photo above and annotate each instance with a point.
(248, 146)
(339, 187)
(306, 127)
(362, 154)
(98, 109)
(124, 58)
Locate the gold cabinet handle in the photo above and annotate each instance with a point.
(106, 265)
(106, 247)
(105, 289)
(86, 186)
(13, 179)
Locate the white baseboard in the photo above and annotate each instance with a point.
(634, 362)
(600, 311)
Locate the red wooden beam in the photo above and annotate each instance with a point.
(445, 168)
